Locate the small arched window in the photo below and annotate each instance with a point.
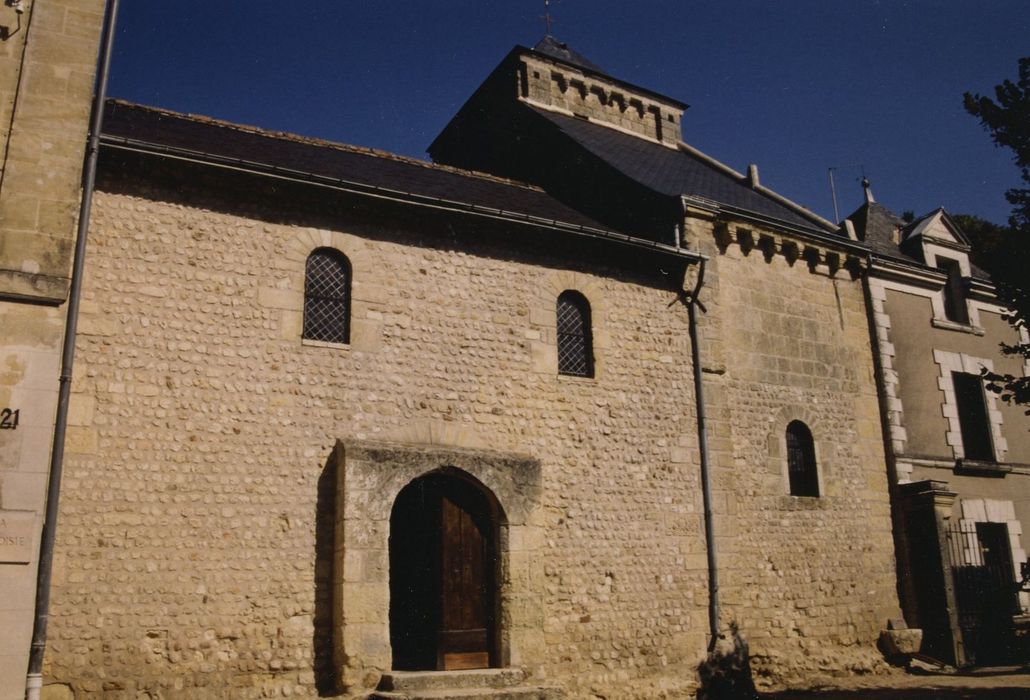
(801, 469)
(327, 296)
(575, 345)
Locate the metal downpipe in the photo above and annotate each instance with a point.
(34, 678)
(702, 438)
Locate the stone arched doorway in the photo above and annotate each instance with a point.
(370, 477)
(444, 573)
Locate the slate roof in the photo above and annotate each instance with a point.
(366, 167)
(670, 171)
(875, 224)
(549, 46)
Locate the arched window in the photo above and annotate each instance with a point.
(327, 296)
(575, 346)
(801, 469)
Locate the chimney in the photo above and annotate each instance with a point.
(752, 176)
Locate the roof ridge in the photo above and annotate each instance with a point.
(714, 162)
(324, 143)
(556, 48)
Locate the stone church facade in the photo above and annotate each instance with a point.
(289, 347)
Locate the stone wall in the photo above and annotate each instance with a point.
(45, 93)
(30, 357)
(196, 555)
(188, 553)
(562, 88)
(809, 580)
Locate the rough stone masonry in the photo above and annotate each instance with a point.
(201, 520)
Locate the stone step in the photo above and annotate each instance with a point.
(449, 680)
(509, 693)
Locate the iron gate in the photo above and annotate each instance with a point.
(985, 590)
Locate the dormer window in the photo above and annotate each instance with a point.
(955, 308)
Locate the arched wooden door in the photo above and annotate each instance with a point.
(443, 562)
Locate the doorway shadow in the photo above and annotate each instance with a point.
(443, 573)
(326, 682)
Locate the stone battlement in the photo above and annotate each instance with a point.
(561, 87)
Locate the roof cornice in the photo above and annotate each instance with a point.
(922, 275)
(811, 235)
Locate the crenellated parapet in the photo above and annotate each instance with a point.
(564, 88)
(825, 258)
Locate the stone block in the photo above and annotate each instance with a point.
(286, 299)
(23, 490)
(36, 253)
(81, 440)
(18, 212)
(17, 635)
(365, 603)
(57, 691)
(544, 358)
(901, 642)
(80, 410)
(999, 511)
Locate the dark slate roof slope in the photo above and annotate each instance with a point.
(672, 172)
(130, 123)
(549, 46)
(875, 225)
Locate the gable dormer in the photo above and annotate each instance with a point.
(941, 244)
(938, 241)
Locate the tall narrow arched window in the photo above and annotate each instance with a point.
(801, 469)
(327, 296)
(575, 345)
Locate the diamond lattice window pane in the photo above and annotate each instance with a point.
(575, 354)
(327, 297)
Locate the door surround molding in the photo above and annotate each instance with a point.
(369, 476)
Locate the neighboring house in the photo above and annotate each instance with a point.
(959, 456)
(351, 414)
(48, 52)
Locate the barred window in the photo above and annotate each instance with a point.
(327, 296)
(575, 346)
(801, 469)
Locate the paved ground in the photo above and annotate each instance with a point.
(995, 683)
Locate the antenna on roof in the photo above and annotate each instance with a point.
(833, 187)
(547, 17)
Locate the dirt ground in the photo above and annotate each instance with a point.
(996, 683)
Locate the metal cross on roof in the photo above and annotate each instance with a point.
(547, 17)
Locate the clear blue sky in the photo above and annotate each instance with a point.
(795, 86)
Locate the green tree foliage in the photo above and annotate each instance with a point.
(1007, 119)
(986, 238)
